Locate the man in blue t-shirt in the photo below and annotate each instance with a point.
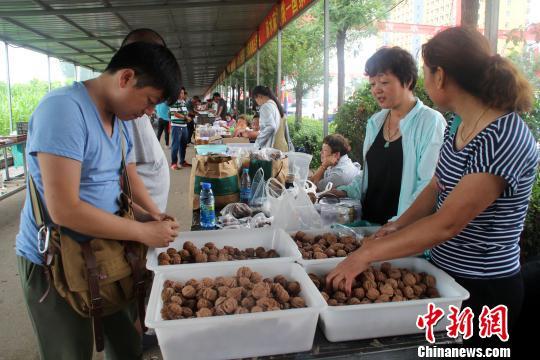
(75, 142)
(164, 121)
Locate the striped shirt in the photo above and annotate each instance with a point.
(489, 246)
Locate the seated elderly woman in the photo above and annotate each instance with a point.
(241, 125)
(336, 166)
(402, 140)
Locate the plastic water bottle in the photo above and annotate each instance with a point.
(208, 213)
(245, 187)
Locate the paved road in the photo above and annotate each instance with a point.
(16, 336)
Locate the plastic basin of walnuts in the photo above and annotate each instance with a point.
(247, 292)
(387, 284)
(327, 245)
(211, 253)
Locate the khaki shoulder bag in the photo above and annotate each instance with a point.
(98, 277)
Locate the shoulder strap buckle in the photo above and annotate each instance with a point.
(43, 236)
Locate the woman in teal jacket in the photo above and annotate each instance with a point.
(402, 142)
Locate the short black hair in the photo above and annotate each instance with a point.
(145, 35)
(395, 60)
(337, 143)
(154, 65)
(216, 94)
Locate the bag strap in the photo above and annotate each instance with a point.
(138, 268)
(96, 302)
(126, 187)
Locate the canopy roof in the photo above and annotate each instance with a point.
(204, 35)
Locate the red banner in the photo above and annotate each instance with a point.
(251, 47)
(291, 8)
(269, 26)
(240, 58)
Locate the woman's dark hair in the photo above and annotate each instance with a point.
(154, 65)
(265, 91)
(337, 143)
(395, 60)
(465, 56)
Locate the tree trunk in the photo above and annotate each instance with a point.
(340, 47)
(469, 13)
(298, 94)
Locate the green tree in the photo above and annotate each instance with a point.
(349, 20)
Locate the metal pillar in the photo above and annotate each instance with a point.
(492, 23)
(258, 68)
(278, 85)
(245, 87)
(9, 88)
(49, 71)
(326, 66)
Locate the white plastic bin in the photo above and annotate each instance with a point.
(236, 336)
(353, 322)
(299, 164)
(359, 232)
(268, 238)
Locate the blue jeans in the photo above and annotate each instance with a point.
(179, 144)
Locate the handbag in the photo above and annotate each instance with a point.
(97, 277)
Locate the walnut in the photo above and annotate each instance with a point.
(392, 282)
(383, 298)
(192, 282)
(367, 275)
(320, 255)
(332, 302)
(280, 279)
(272, 254)
(365, 301)
(337, 246)
(244, 271)
(188, 245)
(222, 290)
(176, 259)
(189, 292)
(316, 280)
(204, 312)
(256, 309)
(210, 245)
(280, 293)
(359, 293)
(430, 281)
(241, 310)
(268, 303)
(368, 284)
(423, 286)
(255, 277)
(245, 282)
(380, 276)
(235, 293)
(220, 300)
(260, 252)
(432, 292)
(394, 274)
(340, 296)
(353, 301)
(205, 250)
(248, 302)
(417, 290)
(409, 279)
(176, 299)
(201, 258)
(203, 303)
(325, 296)
(299, 235)
(293, 287)
(165, 314)
(408, 292)
(298, 302)
(167, 293)
(163, 262)
(398, 292)
(260, 290)
(350, 248)
(230, 282)
(397, 298)
(373, 294)
(341, 253)
(212, 258)
(184, 254)
(207, 282)
(386, 289)
(330, 253)
(174, 309)
(210, 294)
(164, 256)
(171, 251)
(285, 306)
(250, 252)
(222, 257)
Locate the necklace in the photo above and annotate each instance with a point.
(388, 136)
(464, 139)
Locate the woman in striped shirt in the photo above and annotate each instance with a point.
(482, 183)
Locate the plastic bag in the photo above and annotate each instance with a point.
(260, 220)
(258, 190)
(293, 210)
(238, 210)
(267, 154)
